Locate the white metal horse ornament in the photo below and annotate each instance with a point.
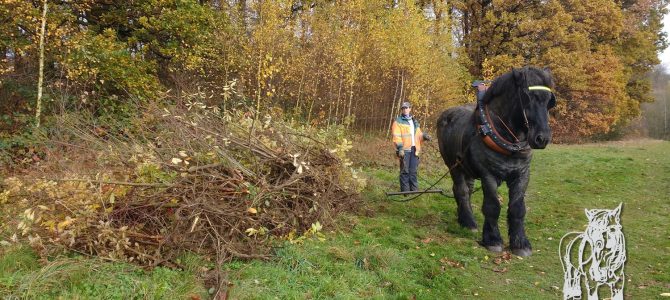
(600, 257)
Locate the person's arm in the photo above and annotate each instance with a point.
(397, 137)
(423, 136)
(419, 134)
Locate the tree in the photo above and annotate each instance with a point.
(38, 107)
(598, 51)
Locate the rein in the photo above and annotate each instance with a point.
(449, 168)
(489, 133)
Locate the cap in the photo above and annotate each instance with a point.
(476, 83)
(406, 104)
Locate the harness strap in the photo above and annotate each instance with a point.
(491, 144)
(490, 135)
(539, 88)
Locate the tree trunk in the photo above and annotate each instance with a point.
(395, 94)
(400, 97)
(351, 97)
(337, 106)
(297, 102)
(316, 95)
(38, 108)
(402, 88)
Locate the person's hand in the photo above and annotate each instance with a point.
(401, 153)
(427, 137)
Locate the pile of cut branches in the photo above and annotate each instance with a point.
(222, 184)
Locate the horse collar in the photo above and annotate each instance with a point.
(492, 138)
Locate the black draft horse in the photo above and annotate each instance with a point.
(492, 141)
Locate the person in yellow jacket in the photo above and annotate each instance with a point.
(407, 139)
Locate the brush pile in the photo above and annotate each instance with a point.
(218, 184)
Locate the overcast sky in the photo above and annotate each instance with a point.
(665, 56)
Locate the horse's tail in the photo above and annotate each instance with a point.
(571, 274)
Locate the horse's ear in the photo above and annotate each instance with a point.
(552, 101)
(547, 69)
(589, 214)
(518, 76)
(617, 212)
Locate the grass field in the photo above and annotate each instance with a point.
(414, 249)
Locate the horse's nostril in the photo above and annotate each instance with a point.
(540, 140)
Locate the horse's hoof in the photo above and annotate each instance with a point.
(495, 248)
(525, 252)
(473, 229)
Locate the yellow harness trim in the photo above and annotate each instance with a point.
(539, 87)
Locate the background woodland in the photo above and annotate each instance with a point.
(325, 62)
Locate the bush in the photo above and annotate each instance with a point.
(219, 184)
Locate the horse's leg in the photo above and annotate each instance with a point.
(491, 208)
(617, 294)
(593, 293)
(462, 194)
(516, 212)
(571, 285)
(471, 186)
(617, 286)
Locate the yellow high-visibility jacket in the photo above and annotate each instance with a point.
(402, 137)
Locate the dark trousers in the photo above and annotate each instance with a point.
(408, 165)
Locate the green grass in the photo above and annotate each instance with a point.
(416, 249)
(21, 276)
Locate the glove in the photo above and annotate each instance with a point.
(401, 153)
(427, 137)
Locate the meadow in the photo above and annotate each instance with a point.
(409, 250)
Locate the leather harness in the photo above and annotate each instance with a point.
(490, 135)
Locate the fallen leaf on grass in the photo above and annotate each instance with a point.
(451, 263)
(427, 240)
(65, 223)
(505, 257)
(501, 270)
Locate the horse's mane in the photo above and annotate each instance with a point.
(508, 83)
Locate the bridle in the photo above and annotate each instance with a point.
(489, 133)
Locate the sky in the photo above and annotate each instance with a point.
(665, 56)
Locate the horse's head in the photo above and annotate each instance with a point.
(606, 239)
(535, 91)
